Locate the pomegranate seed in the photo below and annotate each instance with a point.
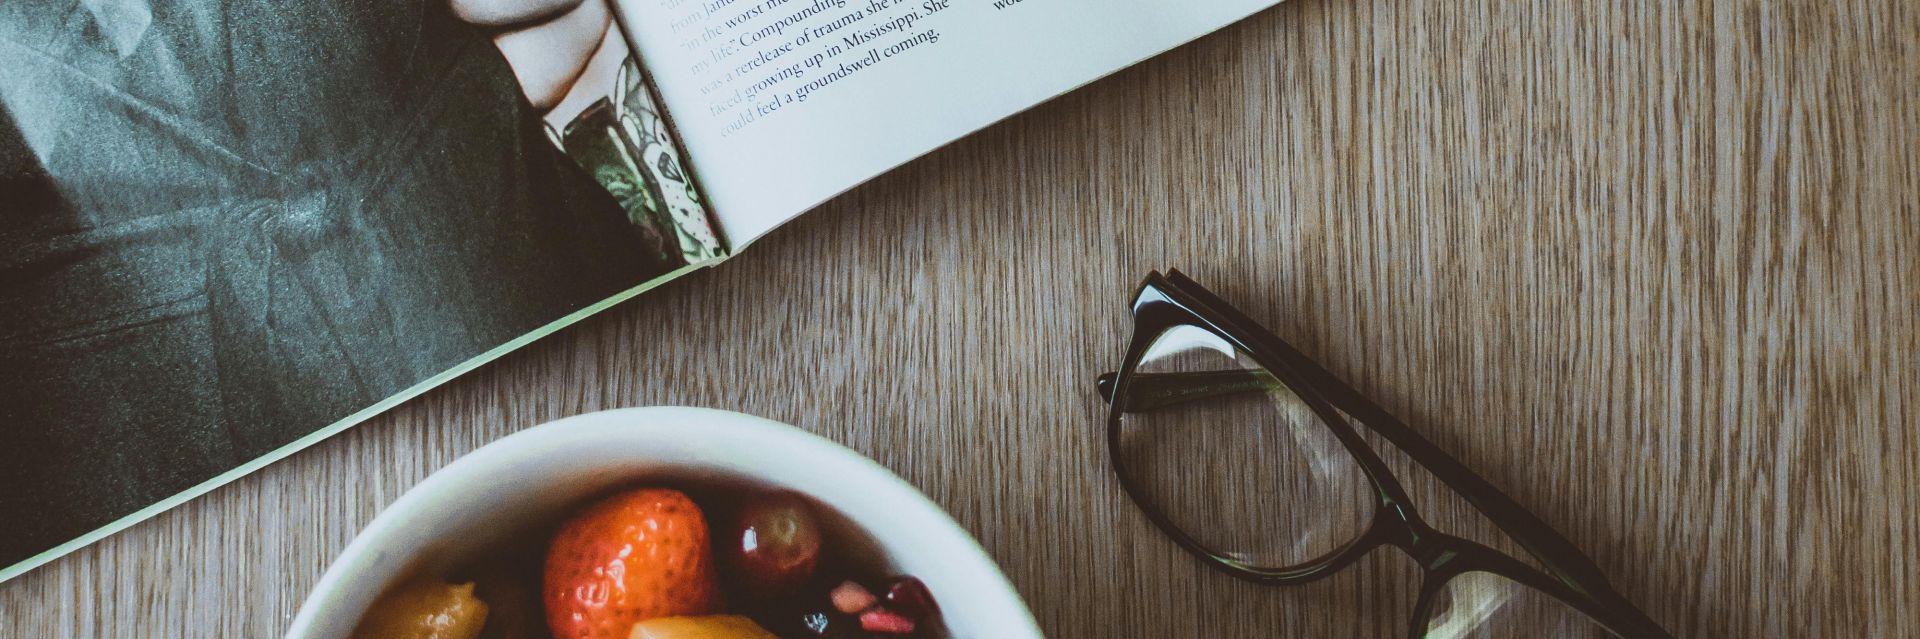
(909, 595)
(886, 621)
(851, 598)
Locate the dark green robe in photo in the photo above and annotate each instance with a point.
(225, 224)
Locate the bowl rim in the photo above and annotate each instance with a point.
(361, 554)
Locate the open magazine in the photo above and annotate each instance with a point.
(230, 229)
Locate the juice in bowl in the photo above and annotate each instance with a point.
(662, 523)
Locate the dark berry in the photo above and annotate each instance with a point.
(910, 596)
(776, 543)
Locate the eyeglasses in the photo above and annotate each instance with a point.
(1241, 449)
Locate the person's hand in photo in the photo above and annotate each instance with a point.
(564, 53)
(571, 60)
(504, 13)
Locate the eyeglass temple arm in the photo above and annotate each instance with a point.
(1154, 391)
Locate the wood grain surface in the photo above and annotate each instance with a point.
(1651, 267)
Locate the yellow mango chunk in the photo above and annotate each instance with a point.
(424, 608)
(707, 627)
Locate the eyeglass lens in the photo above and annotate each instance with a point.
(1484, 605)
(1235, 459)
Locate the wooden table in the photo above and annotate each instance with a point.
(1652, 267)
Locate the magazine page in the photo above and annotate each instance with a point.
(785, 103)
(228, 229)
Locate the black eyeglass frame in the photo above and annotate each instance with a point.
(1166, 301)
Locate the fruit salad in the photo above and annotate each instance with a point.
(658, 563)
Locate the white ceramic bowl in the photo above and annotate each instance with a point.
(540, 474)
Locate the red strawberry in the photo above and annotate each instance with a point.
(628, 558)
